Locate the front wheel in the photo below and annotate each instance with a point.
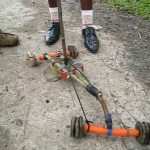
(32, 59)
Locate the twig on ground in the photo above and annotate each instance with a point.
(26, 120)
(145, 81)
(140, 35)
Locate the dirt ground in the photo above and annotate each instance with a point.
(120, 69)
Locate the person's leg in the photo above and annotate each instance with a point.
(53, 10)
(52, 3)
(87, 13)
(52, 34)
(90, 39)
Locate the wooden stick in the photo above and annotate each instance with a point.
(61, 28)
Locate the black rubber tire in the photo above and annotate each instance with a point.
(72, 128)
(77, 128)
(143, 137)
(81, 127)
(74, 51)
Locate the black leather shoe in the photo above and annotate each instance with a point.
(52, 34)
(91, 41)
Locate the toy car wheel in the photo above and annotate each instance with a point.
(32, 59)
(73, 50)
(76, 130)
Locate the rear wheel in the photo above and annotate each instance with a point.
(32, 59)
(73, 50)
(144, 132)
(76, 130)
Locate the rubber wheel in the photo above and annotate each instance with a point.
(72, 129)
(32, 59)
(74, 51)
(81, 127)
(77, 128)
(143, 132)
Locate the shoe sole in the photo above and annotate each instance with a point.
(51, 43)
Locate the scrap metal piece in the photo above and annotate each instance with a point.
(77, 128)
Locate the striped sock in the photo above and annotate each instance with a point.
(87, 18)
(54, 14)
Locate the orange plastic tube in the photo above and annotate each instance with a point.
(115, 132)
(41, 57)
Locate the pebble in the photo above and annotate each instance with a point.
(67, 126)
(107, 16)
(19, 122)
(135, 27)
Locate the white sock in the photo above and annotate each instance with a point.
(87, 18)
(54, 14)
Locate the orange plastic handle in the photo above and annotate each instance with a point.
(114, 132)
(41, 57)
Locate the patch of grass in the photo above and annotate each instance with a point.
(137, 7)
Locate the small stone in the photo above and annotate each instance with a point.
(6, 88)
(47, 101)
(112, 95)
(5, 145)
(145, 67)
(57, 130)
(126, 78)
(107, 16)
(67, 126)
(135, 27)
